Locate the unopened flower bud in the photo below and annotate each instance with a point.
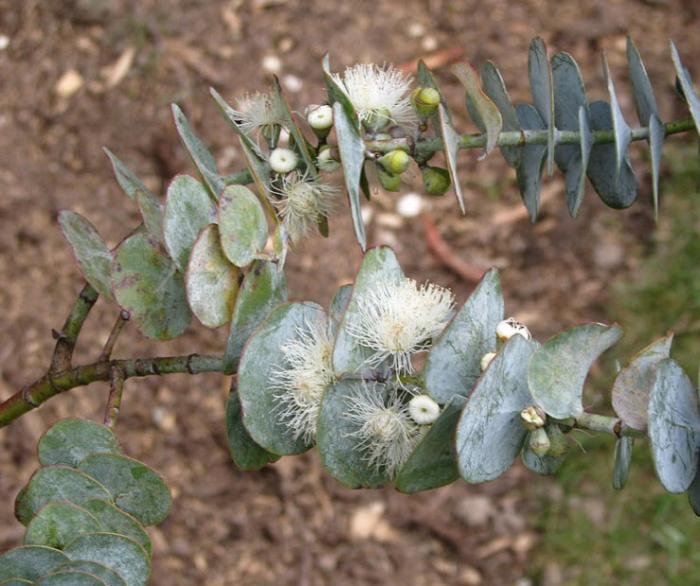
(436, 181)
(320, 118)
(539, 442)
(389, 181)
(486, 360)
(557, 439)
(327, 158)
(533, 417)
(395, 162)
(425, 100)
(508, 328)
(283, 160)
(423, 410)
(377, 120)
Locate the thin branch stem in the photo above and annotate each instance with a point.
(68, 336)
(52, 384)
(605, 424)
(114, 401)
(117, 328)
(424, 149)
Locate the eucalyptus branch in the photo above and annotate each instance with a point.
(67, 337)
(605, 424)
(426, 148)
(114, 401)
(50, 385)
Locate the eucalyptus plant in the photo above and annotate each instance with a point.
(393, 382)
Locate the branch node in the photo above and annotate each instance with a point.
(57, 334)
(189, 363)
(27, 398)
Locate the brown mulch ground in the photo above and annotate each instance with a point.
(291, 523)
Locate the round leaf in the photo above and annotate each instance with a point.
(674, 427)
(30, 562)
(56, 483)
(136, 488)
(379, 265)
(188, 209)
(242, 225)
(261, 357)
(59, 523)
(559, 368)
(107, 575)
(71, 440)
(341, 453)
(453, 364)
(148, 285)
(114, 520)
(489, 432)
(630, 392)
(121, 554)
(212, 281)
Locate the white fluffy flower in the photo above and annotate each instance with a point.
(302, 201)
(385, 431)
(259, 111)
(510, 327)
(283, 160)
(379, 92)
(423, 409)
(398, 318)
(299, 385)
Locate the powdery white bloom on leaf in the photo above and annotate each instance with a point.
(399, 318)
(423, 409)
(301, 202)
(378, 92)
(259, 111)
(386, 432)
(300, 384)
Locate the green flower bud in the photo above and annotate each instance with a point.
(283, 160)
(436, 181)
(539, 442)
(389, 181)
(327, 158)
(425, 100)
(376, 120)
(395, 162)
(557, 439)
(320, 118)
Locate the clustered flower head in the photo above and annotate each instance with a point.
(385, 431)
(380, 95)
(259, 111)
(301, 382)
(302, 201)
(399, 318)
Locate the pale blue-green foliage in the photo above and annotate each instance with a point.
(85, 509)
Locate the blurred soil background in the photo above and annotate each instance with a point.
(79, 74)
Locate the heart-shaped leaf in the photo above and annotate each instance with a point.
(542, 88)
(559, 368)
(114, 520)
(490, 433)
(674, 427)
(495, 88)
(532, 157)
(454, 362)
